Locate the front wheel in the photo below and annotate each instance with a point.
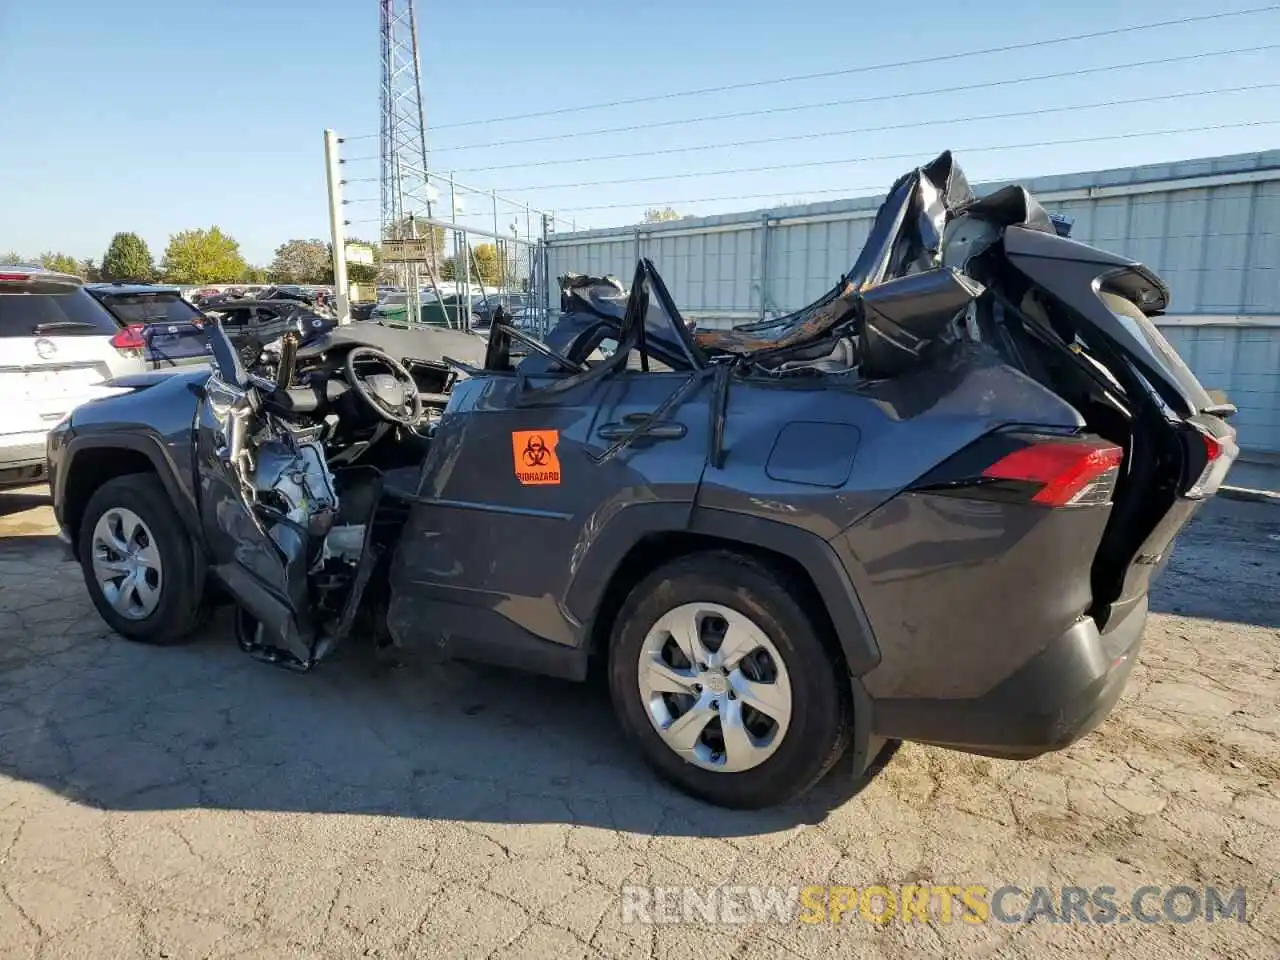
(723, 682)
(138, 562)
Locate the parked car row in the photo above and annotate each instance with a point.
(453, 310)
(320, 298)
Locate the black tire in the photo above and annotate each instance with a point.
(181, 609)
(821, 715)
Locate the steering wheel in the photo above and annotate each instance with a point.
(382, 397)
(541, 349)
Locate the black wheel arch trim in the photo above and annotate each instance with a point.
(819, 561)
(595, 569)
(153, 449)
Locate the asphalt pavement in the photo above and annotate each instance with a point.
(191, 802)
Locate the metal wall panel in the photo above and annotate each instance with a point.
(1209, 227)
(1245, 363)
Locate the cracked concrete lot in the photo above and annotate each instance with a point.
(190, 802)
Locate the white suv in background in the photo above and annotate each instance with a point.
(57, 347)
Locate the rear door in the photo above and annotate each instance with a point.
(55, 353)
(523, 477)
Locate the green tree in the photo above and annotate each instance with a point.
(449, 268)
(487, 264)
(202, 256)
(127, 258)
(255, 275)
(12, 257)
(363, 273)
(303, 261)
(89, 270)
(656, 215)
(60, 262)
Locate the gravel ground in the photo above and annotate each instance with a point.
(189, 802)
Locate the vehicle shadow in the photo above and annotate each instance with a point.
(124, 727)
(22, 500)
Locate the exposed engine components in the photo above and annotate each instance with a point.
(293, 479)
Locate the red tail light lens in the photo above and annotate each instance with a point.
(130, 340)
(1067, 474)
(1023, 467)
(1219, 454)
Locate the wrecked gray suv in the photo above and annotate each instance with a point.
(929, 506)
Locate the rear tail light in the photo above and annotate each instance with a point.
(1064, 474)
(1050, 471)
(130, 341)
(1218, 453)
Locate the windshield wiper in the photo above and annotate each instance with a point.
(42, 328)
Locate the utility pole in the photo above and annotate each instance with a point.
(497, 244)
(544, 268)
(406, 187)
(337, 238)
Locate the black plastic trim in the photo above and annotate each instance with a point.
(819, 560)
(864, 745)
(606, 552)
(150, 447)
(1046, 704)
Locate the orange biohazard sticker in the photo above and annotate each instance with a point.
(536, 462)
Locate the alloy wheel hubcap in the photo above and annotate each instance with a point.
(126, 563)
(714, 687)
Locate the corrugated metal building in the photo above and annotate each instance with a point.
(1210, 227)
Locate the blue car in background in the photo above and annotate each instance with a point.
(167, 329)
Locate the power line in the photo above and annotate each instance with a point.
(741, 196)
(869, 68)
(875, 98)
(771, 168)
(847, 190)
(847, 131)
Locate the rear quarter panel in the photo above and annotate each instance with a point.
(961, 593)
(821, 456)
(834, 461)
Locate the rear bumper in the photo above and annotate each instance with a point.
(1052, 701)
(22, 459)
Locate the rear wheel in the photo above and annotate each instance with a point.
(137, 561)
(724, 683)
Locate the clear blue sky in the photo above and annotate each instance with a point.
(158, 116)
